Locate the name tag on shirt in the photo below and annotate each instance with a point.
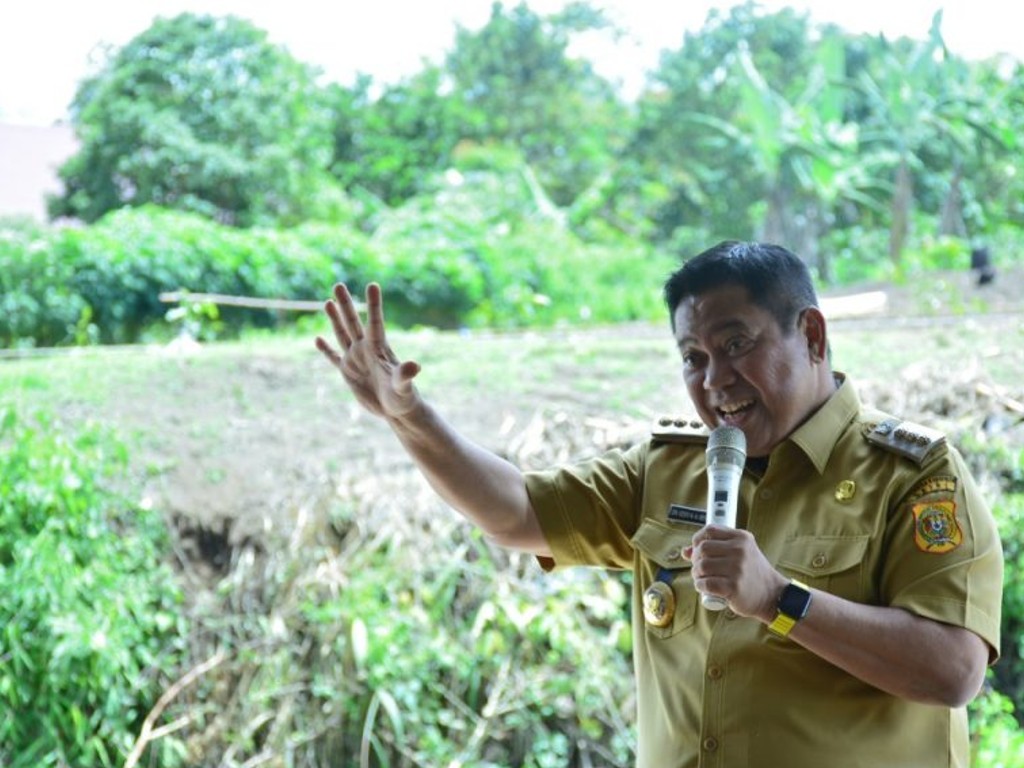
(677, 513)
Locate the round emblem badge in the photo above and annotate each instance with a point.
(846, 490)
(659, 604)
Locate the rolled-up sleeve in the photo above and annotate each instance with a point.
(588, 511)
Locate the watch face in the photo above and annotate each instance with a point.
(795, 601)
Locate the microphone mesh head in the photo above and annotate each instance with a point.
(727, 444)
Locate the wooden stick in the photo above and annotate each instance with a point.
(857, 305)
(1007, 402)
(147, 734)
(174, 297)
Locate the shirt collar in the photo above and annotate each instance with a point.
(817, 436)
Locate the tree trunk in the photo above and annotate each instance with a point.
(952, 219)
(775, 230)
(810, 242)
(902, 199)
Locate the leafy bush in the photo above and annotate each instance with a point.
(484, 253)
(369, 653)
(932, 254)
(1009, 672)
(858, 255)
(36, 304)
(996, 738)
(90, 615)
(128, 258)
(477, 662)
(478, 252)
(997, 460)
(483, 249)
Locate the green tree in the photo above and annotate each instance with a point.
(511, 83)
(201, 114)
(685, 170)
(521, 87)
(392, 146)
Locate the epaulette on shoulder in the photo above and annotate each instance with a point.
(677, 429)
(905, 438)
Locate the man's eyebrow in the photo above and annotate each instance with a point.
(725, 326)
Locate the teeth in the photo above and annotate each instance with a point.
(734, 407)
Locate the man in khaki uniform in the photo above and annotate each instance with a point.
(863, 578)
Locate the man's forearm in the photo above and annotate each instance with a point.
(894, 650)
(485, 488)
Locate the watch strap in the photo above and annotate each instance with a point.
(782, 624)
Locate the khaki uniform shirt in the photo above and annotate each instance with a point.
(840, 508)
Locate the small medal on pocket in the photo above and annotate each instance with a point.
(659, 604)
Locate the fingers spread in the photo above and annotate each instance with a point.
(333, 314)
(328, 351)
(374, 314)
(346, 318)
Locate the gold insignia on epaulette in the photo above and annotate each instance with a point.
(680, 429)
(906, 438)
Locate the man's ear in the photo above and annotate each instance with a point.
(813, 328)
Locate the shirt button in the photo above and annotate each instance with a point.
(710, 744)
(714, 672)
(766, 493)
(674, 554)
(820, 560)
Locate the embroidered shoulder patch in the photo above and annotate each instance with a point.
(936, 529)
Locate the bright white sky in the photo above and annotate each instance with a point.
(47, 46)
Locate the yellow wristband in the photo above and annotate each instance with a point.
(781, 625)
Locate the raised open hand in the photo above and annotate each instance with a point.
(380, 381)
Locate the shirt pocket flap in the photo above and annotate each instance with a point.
(664, 543)
(823, 555)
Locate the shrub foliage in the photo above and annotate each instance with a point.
(476, 255)
(90, 622)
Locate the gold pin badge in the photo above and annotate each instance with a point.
(659, 604)
(845, 490)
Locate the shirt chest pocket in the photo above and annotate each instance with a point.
(661, 546)
(835, 564)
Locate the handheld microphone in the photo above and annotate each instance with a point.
(726, 453)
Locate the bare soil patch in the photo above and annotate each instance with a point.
(235, 440)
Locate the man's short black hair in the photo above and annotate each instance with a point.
(775, 278)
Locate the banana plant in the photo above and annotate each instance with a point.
(929, 118)
(807, 157)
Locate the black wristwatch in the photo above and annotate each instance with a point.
(794, 602)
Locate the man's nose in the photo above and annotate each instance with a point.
(718, 373)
